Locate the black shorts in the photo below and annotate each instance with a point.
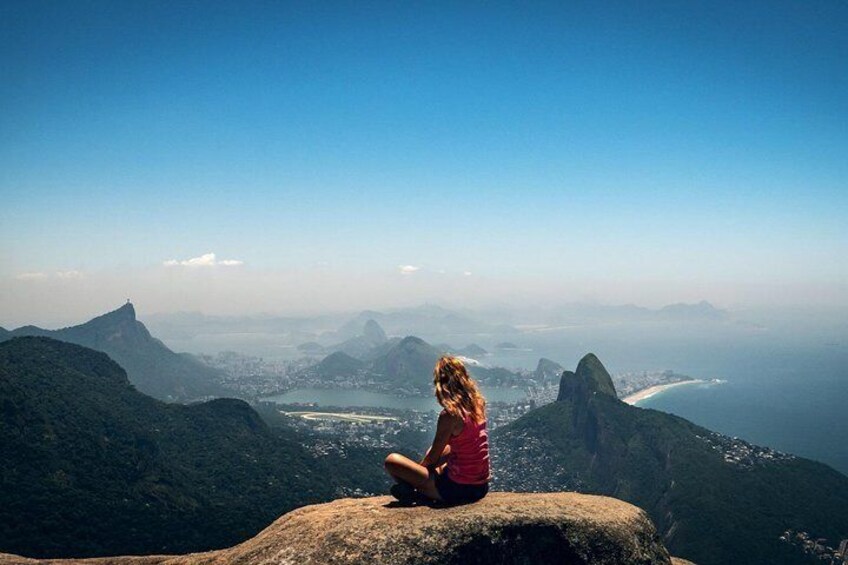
(458, 493)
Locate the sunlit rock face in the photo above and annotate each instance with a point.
(502, 528)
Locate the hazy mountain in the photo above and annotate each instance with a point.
(382, 349)
(589, 313)
(409, 364)
(186, 325)
(152, 367)
(311, 348)
(362, 345)
(547, 371)
(713, 498)
(472, 350)
(430, 320)
(93, 467)
(701, 311)
(339, 364)
(373, 332)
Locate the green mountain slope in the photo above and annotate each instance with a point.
(714, 499)
(402, 365)
(93, 467)
(152, 367)
(338, 364)
(409, 364)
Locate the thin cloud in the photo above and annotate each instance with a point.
(205, 260)
(467, 273)
(35, 276)
(69, 275)
(408, 269)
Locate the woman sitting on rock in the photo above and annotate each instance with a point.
(455, 469)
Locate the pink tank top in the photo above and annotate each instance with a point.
(468, 462)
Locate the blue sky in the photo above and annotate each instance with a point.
(692, 148)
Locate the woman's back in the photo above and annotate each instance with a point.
(469, 454)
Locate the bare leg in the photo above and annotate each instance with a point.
(404, 469)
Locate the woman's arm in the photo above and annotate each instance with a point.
(444, 430)
(445, 455)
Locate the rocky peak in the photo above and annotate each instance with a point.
(125, 313)
(590, 377)
(547, 369)
(502, 528)
(411, 342)
(373, 332)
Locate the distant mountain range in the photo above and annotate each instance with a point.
(471, 350)
(292, 329)
(91, 466)
(714, 499)
(328, 330)
(588, 314)
(427, 320)
(276, 337)
(703, 310)
(152, 367)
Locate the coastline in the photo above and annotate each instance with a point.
(639, 395)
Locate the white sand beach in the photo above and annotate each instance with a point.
(652, 390)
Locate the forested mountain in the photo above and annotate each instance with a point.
(714, 499)
(338, 364)
(93, 467)
(409, 363)
(152, 367)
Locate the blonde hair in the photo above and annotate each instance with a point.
(456, 391)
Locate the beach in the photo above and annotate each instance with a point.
(652, 390)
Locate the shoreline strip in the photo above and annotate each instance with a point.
(639, 395)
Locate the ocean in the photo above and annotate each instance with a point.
(786, 386)
(799, 405)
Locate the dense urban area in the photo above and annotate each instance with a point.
(817, 547)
